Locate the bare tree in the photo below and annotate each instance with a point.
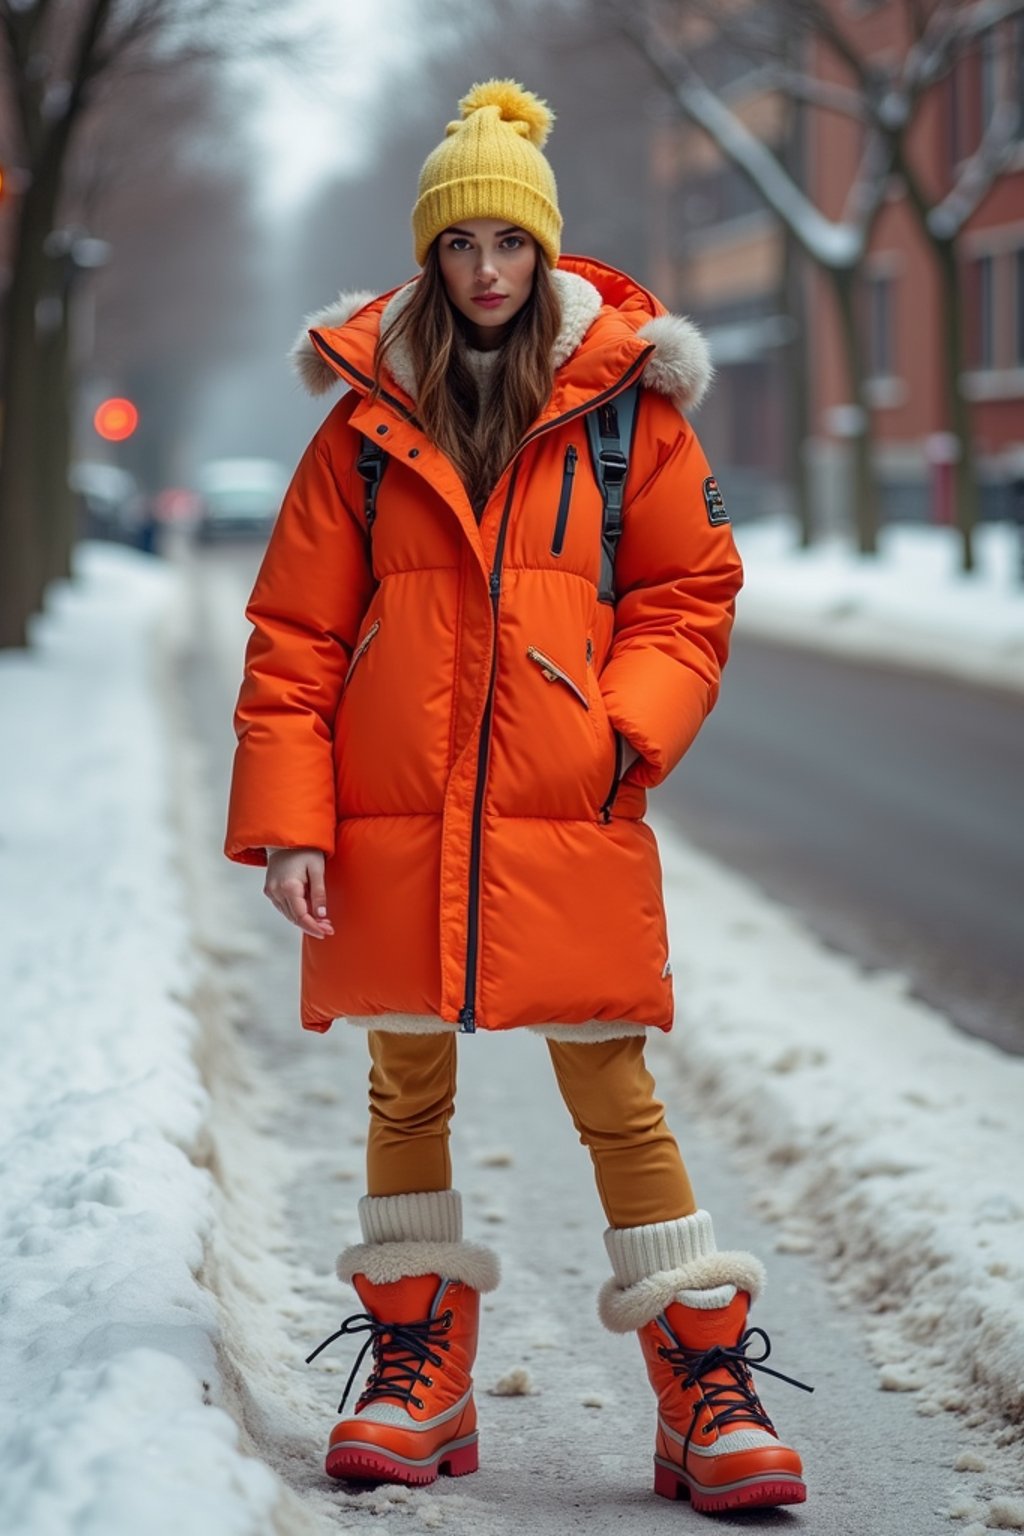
(884, 99)
(58, 60)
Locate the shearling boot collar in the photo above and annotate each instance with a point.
(679, 367)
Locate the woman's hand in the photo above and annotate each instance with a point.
(295, 884)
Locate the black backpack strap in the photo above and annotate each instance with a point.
(370, 465)
(610, 435)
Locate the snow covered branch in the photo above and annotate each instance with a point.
(837, 245)
(948, 218)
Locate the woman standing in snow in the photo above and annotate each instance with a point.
(460, 684)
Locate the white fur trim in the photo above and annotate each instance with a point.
(427, 1216)
(636, 1252)
(624, 1310)
(384, 1263)
(400, 355)
(580, 304)
(403, 1023)
(593, 1030)
(430, 1024)
(317, 376)
(681, 365)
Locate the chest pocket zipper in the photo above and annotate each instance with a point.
(552, 673)
(361, 649)
(562, 517)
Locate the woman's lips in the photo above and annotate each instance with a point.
(489, 300)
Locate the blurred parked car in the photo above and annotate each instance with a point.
(110, 504)
(240, 496)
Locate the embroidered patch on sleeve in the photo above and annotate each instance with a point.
(714, 503)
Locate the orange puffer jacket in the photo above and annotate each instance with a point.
(436, 705)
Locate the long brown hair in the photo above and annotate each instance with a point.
(448, 402)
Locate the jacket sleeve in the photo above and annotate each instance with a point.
(310, 595)
(677, 575)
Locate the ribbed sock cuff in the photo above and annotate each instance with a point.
(637, 1252)
(430, 1216)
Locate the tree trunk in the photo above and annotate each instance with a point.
(865, 490)
(965, 480)
(21, 540)
(793, 304)
(53, 405)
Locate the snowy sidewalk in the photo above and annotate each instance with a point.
(108, 1350)
(893, 1144)
(911, 606)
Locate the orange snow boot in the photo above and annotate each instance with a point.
(715, 1443)
(415, 1417)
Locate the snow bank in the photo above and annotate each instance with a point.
(881, 1138)
(108, 1346)
(911, 606)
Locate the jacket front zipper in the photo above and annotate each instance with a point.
(361, 650)
(562, 517)
(552, 673)
(605, 813)
(467, 1017)
(467, 1014)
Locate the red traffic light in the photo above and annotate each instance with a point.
(115, 420)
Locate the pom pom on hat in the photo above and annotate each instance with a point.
(490, 166)
(526, 112)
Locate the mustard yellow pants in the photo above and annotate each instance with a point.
(607, 1090)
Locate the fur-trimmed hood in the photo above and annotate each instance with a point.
(679, 367)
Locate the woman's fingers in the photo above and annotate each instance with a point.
(295, 885)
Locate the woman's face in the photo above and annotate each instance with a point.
(488, 268)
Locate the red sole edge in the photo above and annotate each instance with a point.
(373, 1466)
(766, 1493)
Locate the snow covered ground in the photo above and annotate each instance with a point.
(910, 606)
(893, 1144)
(108, 1344)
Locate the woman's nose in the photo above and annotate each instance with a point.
(486, 267)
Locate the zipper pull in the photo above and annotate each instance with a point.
(494, 584)
(467, 1021)
(571, 456)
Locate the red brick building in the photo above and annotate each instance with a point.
(720, 255)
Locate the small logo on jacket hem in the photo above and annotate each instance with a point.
(714, 503)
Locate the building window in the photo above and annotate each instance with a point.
(981, 348)
(953, 98)
(1019, 323)
(881, 358)
(989, 77)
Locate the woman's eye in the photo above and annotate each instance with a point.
(458, 244)
(512, 242)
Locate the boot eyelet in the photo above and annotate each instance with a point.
(448, 1319)
(428, 1381)
(417, 1402)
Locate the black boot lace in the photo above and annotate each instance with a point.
(730, 1402)
(401, 1352)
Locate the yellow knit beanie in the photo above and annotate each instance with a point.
(490, 166)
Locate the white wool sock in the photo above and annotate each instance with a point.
(637, 1252)
(430, 1216)
(670, 1261)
